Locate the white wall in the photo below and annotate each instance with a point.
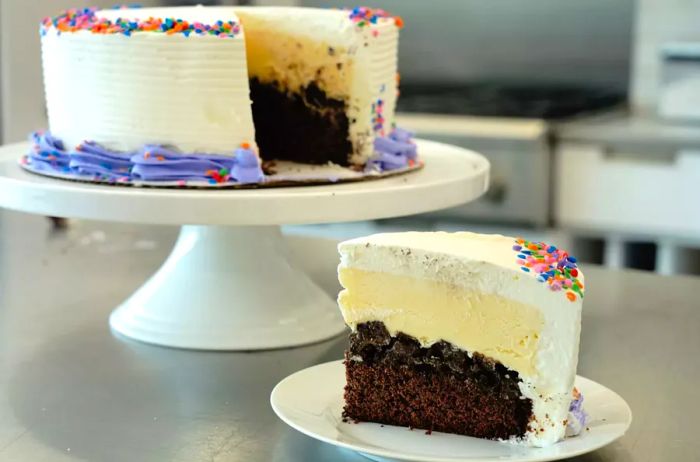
(658, 22)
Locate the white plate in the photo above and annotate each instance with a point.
(311, 401)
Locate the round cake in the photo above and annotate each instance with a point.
(207, 95)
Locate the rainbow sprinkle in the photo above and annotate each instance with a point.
(552, 266)
(363, 16)
(378, 117)
(85, 19)
(218, 176)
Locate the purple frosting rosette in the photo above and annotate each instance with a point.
(94, 160)
(48, 153)
(151, 163)
(577, 416)
(393, 152)
(158, 163)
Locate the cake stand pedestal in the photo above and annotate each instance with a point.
(229, 283)
(226, 287)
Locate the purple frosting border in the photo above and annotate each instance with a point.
(156, 163)
(393, 152)
(150, 163)
(577, 415)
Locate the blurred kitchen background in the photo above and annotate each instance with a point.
(589, 112)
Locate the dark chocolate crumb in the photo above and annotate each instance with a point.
(304, 126)
(440, 388)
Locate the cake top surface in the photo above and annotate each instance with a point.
(198, 20)
(546, 263)
(221, 22)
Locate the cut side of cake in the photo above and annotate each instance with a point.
(207, 93)
(462, 333)
(323, 82)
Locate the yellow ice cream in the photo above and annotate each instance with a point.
(294, 60)
(502, 329)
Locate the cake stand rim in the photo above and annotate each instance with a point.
(451, 176)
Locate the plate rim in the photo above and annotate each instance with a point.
(393, 455)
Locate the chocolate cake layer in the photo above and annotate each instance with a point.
(393, 380)
(304, 127)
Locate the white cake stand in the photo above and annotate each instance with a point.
(228, 283)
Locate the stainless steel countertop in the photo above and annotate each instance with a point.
(72, 391)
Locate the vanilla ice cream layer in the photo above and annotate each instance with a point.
(501, 329)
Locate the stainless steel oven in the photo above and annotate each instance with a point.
(520, 165)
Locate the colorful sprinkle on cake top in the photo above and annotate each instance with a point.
(553, 266)
(363, 16)
(85, 19)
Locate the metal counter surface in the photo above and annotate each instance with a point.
(70, 390)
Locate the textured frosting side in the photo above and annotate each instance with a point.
(488, 264)
(125, 92)
(375, 90)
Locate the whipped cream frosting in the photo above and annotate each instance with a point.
(190, 92)
(486, 271)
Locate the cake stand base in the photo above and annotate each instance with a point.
(229, 288)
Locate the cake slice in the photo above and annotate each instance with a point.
(462, 333)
